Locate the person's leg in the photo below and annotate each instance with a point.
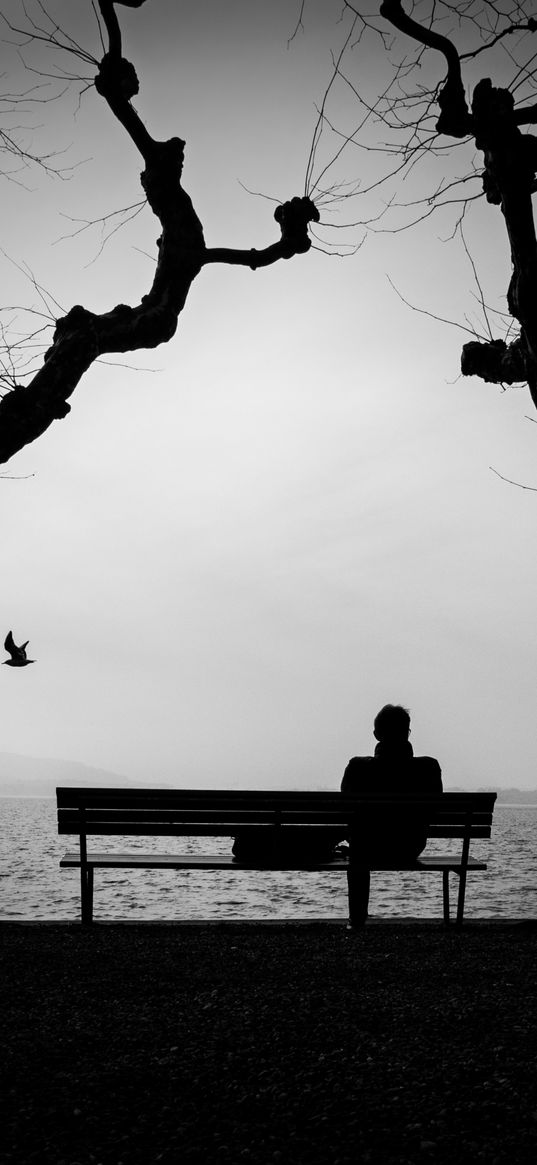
(358, 879)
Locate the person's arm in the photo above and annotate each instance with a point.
(355, 776)
(348, 778)
(437, 778)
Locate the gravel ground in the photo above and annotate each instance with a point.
(295, 1043)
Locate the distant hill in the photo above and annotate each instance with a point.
(514, 796)
(26, 776)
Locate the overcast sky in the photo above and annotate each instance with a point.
(227, 565)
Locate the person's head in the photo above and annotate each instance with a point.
(392, 724)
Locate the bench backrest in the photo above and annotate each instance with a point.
(215, 812)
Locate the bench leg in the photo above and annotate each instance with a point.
(445, 887)
(86, 895)
(462, 891)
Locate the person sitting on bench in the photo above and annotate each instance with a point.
(392, 771)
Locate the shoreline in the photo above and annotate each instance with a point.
(338, 923)
(298, 1042)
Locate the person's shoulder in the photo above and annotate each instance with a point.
(429, 769)
(428, 762)
(356, 768)
(357, 763)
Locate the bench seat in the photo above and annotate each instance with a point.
(227, 862)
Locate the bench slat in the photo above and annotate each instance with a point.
(231, 829)
(127, 829)
(95, 817)
(341, 812)
(73, 797)
(181, 861)
(459, 831)
(227, 862)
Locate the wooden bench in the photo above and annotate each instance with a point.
(216, 813)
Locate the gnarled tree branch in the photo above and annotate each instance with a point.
(455, 118)
(294, 217)
(510, 166)
(81, 336)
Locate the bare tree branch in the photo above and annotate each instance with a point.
(82, 336)
(509, 177)
(510, 481)
(454, 117)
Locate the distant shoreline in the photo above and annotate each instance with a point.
(507, 798)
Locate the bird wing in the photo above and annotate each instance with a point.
(14, 651)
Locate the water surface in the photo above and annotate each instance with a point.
(33, 887)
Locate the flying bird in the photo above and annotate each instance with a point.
(18, 654)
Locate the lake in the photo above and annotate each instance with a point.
(33, 887)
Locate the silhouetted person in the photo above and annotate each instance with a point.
(395, 839)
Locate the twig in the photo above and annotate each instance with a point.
(423, 311)
(510, 481)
